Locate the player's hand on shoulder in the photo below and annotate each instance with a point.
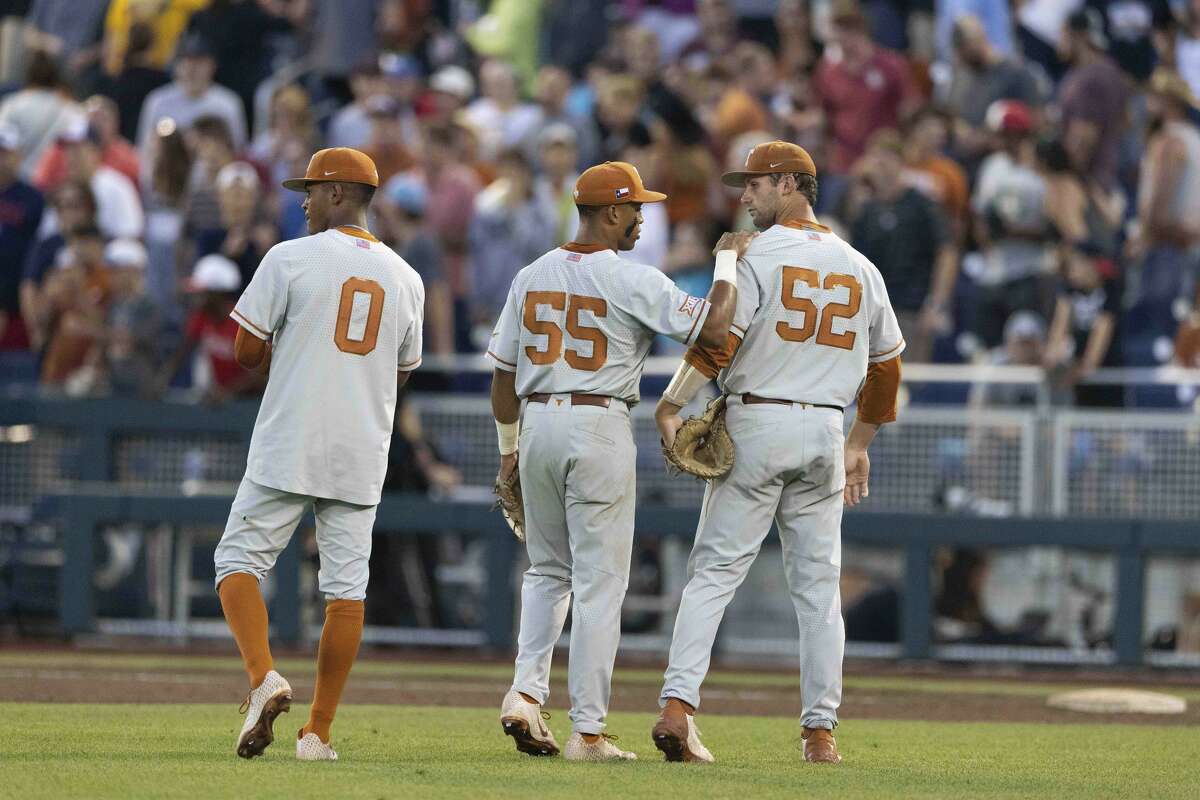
(738, 241)
(858, 468)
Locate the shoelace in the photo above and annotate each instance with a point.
(245, 706)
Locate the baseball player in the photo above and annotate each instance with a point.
(571, 342)
(336, 319)
(813, 331)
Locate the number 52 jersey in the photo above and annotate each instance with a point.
(580, 321)
(812, 312)
(345, 313)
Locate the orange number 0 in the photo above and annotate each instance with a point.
(832, 311)
(341, 332)
(554, 335)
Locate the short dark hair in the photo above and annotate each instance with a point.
(360, 192)
(807, 184)
(87, 230)
(587, 212)
(214, 127)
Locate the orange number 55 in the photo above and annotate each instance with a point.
(554, 335)
(832, 311)
(341, 332)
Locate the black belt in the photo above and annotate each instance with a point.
(753, 399)
(577, 399)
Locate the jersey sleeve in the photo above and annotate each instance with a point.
(261, 308)
(411, 342)
(749, 297)
(654, 300)
(885, 340)
(506, 337)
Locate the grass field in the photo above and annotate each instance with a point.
(185, 750)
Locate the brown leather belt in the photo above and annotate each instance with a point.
(753, 399)
(577, 399)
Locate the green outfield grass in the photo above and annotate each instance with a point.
(169, 751)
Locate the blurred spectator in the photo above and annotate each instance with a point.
(931, 172)
(573, 33)
(115, 151)
(75, 207)
(351, 125)
(1079, 207)
(342, 33)
(118, 207)
(290, 129)
(863, 88)
(743, 105)
(385, 145)
(1129, 26)
(1085, 331)
(651, 246)
(239, 34)
(402, 207)
(191, 96)
(512, 227)
(1168, 208)
(37, 110)
(508, 31)
(1013, 229)
(551, 88)
(466, 140)
(138, 74)
(245, 233)
(500, 115)
(403, 80)
(981, 77)
(904, 234)
(132, 352)
(170, 168)
(452, 189)
(718, 30)
(163, 22)
(1024, 340)
(210, 332)
(556, 184)
(20, 215)
(213, 149)
(1186, 47)
(619, 100)
(449, 91)
(1039, 31)
(1092, 98)
(65, 29)
(799, 49)
(992, 16)
(76, 298)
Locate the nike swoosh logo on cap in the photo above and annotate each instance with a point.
(773, 166)
(330, 172)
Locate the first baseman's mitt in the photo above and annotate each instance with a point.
(508, 498)
(703, 447)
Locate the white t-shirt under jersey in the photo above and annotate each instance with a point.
(584, 322)
(812, 312)
(345, 313)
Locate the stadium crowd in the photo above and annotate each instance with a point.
(1025, 173)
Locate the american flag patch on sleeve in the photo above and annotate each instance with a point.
(691, 305)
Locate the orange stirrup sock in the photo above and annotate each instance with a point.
(246, 614)
(339, 646)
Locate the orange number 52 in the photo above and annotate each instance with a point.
(554, 335)
(341, 332)
(832, 311)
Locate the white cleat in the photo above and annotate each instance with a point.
(309, 747)
(261, 706)
(525, 723)
(601, 750)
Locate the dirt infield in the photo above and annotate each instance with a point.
(881, 693)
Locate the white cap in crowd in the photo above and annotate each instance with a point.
(10, 138)
(215, 273)
(237, 172)
(453, 80)
(123, 253)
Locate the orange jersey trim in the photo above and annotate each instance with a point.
(805, 225)
(576, 247)
(501, 360)
(887, 352)
(259, 331)
(710, 361)
(357, 233)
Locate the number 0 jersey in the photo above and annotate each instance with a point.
(812, 312)
(583, 322)
(346, 314)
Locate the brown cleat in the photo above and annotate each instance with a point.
(675, 734)
(819, 746)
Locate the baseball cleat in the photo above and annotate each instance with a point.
(525, 723)
(602, 749)
(676, 735)
(819, 747)
(309, 747)
(262, 705)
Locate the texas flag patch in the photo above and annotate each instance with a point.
(622, 193)
(690, 305)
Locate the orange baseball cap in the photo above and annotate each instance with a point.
(770, 158)
(612, 183)
(336, 164)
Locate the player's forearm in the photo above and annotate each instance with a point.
(506, 406)
(861, 435)
(722, 298)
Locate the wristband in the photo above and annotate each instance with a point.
(684, 385)
(508, 432)
(726, 268)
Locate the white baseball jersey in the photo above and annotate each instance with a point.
(345, 313)
(812, 312)
(584, 322)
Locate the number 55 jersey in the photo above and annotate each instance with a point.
(344, 313)
(581, 319)
(812, 312)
